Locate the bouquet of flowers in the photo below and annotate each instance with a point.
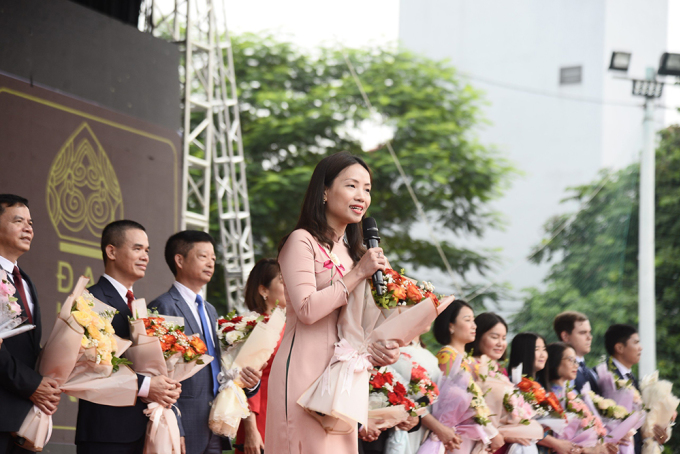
(400, 290)
(83, 355)
(621, 391)
(160, 347)
(583, 427)
(544, 404)
(617, 421)
(661, 404)
(510, 412)
(388, 399)
(461, 405)
(10, 310)
(519, 411)
(338, 398)
(421, 390)
(246, 340)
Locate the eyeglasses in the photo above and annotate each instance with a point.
(571, 359)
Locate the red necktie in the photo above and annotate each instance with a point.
(19, 284)
(130, 297)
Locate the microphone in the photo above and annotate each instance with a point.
(371, 240)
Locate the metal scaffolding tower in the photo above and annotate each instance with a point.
(212, 145)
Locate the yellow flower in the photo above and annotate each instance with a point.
(106, 358)
(114, 344)
(97, 321)
(94, 332)
(619, 412)
(82, 304)
(606, 403)
(108, 327)
(104, 344)
(83, 318)
(85, 342)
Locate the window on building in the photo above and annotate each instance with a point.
(571, 75)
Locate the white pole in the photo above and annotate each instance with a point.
(646, 277)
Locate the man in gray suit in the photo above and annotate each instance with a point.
(191, 257)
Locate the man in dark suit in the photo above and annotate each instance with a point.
(102, 429)
(623, 347)
(21, 387)
(574, 329)
(191, 257)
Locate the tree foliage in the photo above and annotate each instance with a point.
(297, 107)
(595, 265)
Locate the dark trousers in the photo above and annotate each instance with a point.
(7, 445)
(136, 447)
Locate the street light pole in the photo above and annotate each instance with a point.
(646, 272)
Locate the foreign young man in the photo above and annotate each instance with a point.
(191, 257)
(101, 429)
(623, 347)
(21, 386)
(574, 329)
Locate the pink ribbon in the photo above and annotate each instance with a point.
(356, 362)
(328, 264)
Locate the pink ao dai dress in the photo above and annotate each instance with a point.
(314, 298)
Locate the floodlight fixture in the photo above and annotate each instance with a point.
(620, 61)
(647, 88)
(669, 65)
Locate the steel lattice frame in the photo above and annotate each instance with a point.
(212, 145)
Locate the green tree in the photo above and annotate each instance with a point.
(595, 260)
(297, 107)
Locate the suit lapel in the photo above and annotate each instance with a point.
(183, 306)
(37, 332)
(113, 297)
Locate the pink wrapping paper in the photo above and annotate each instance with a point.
(390, 416)
(72, 366)
(339, 398)
(146, 354)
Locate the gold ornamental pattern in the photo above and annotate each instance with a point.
(83, 193)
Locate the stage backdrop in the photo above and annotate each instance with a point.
(82, 166)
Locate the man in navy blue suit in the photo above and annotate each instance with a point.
(623, 347)
(101, 429)
(574, 329)
(21, 386)
(191, 257)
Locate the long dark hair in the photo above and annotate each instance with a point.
(523, 351)
(442, 333)
(263, 273)
(485, 321)
(549, 372)
(313, 214)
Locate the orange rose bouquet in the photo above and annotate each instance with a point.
(160, 347)
(400, 290)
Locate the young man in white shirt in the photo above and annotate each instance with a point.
(624, 349)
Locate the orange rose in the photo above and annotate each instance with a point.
(198, 345)
(398, 291)
(413, 293)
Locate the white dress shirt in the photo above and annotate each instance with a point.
(622, 369)
(9, 267)
(120, 288)
(189, 297)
